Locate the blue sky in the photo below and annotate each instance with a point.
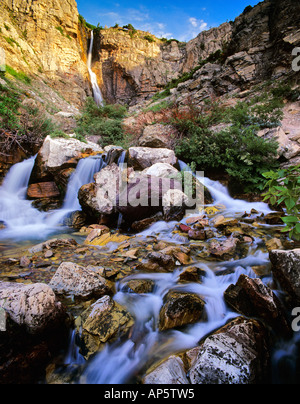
(182, 20)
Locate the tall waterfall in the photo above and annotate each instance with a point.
(96, 90)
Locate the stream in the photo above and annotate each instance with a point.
(125, 361)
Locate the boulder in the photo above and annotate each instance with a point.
(180, 309)
(252, 298)
(235, 354)
(34, 306)
(143, 197)
(223, 249)
(99, 198)
(144, 157)
(43, 190)
(163, 170)
(157, 136)
(102, 321)
(78, 281)
(286, 270)
(169, 372)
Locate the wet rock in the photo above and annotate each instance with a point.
(274, 244)
(75, 280)
(180, 309)
(141, 285)
(175, 203)
(25, 262)
(197, 234)
(144, 157)
(102, 321)
(223, 249)
(34, 306)
(252, 298)
(236, 354)
(99, 198)
(54, 243)
(143, 224)
(191, 274)
(169, 372)
(43, 190)
(286, 269)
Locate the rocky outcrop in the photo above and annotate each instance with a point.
(286, 268)
(46, 39)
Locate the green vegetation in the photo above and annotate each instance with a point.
(236, 150)
(83, 22)
(104, 121)
(149, 38)
(283, 188)
(21, 76)
(11, 41)
(21, 126)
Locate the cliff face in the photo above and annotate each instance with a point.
(256, 46)
(44, 38)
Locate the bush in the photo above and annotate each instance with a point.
(237, 150)
(283, 187)
(104, 121)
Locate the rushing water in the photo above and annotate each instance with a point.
(21, 219)
(94, 82)
(124, 361)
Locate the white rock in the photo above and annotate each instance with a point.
(144, 157)
(164, 170)
(169, 372)
(34, 305)
(58, 151)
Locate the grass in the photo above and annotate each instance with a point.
(21, 76)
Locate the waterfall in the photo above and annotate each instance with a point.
(221, 195)
(21, 219)
(96, 90)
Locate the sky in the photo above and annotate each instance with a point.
(178, 19)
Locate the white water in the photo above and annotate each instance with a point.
(221, 195)
(22, 220)
(94, 82)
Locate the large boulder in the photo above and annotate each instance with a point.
(143, 157)
(34, 306)
(144, 196)
(158, 136)
(78, 281)
(102, 321)
(236, 354)
(99, 198)
(286, 269)
(252, 298)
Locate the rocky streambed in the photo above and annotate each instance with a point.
(166, 297)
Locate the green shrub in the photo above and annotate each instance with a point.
(283, 187)
(104, 121)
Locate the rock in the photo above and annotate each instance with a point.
(141, 285)
(286, 269)
(75, 280)
(180, 309)
(54, 243)
(175, 203)
(197, 234)
(24, 262)
(223, 249)
(235, 354)
(169, 372)
(274, 244)
(100, 198)
(144, 157)
(43, 190)
(287, 148)
(102, 321)
(157, 136)
(252, 298)
(55, 152)
(33, 306)
(141, 225)
(143, 197)
(163, 170)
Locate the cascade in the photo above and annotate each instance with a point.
(96, 90)
(21, 219)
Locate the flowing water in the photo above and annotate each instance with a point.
(94, 82)
(126, 360)
(21, 219)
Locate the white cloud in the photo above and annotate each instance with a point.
(193, 22)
